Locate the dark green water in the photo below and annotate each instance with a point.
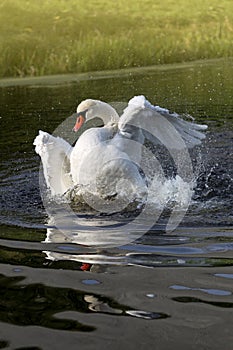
(163, 290)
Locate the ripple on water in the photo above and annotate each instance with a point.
(224, 275)
(219, 292)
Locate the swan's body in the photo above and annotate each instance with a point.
(106, 160)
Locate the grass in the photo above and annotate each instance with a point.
(73, 36)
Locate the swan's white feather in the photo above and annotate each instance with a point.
(55, 155)
(158, 124)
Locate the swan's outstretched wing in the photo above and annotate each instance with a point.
(158, 124)
(55, 157)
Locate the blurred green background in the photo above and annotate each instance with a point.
(42, 37)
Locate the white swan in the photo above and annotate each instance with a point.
(106, 160)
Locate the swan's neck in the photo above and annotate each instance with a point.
(107, 113)
(110, 118)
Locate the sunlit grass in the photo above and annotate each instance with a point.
(72, 36)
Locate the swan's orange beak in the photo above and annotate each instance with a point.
(79, 122)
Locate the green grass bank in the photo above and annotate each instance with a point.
(42, 37)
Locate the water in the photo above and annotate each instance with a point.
(165, 289)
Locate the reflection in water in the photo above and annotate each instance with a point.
(37, 304)
(90, 231)
(208, 291)
(99, 305)
(224, 275)
(29, 348)
(140, 259)
(222, 304)
(90, 282)
(3, 344)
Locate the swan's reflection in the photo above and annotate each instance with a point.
(92, 251)
(90, 232)
(91, 237)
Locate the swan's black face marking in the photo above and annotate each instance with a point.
(82, 113)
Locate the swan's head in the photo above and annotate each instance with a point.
(90, 109)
